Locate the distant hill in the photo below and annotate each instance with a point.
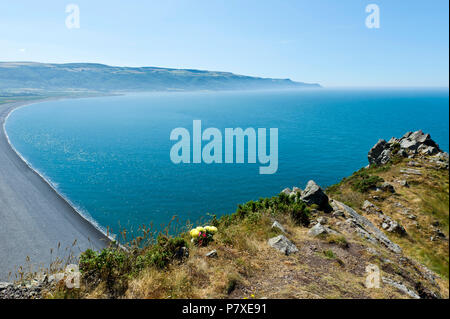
(31, 76)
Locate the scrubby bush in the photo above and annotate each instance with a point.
(300, 213)
(363, 182)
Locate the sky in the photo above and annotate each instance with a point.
(320, 41)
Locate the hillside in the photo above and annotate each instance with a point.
(30, 77)
(311, 243)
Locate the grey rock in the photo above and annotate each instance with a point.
(401, 287)
(313, 194)
(317, 230)
(387, 187)
(277, 225)
(296, 190)
(282, 244)
(211, 254)
(338, 213)
(403, 183)
(286, 191)
(4, 285)
(379, 153)
(411, 171)
(370, 208)
(365, 228)
(322, 220)
(392, 226)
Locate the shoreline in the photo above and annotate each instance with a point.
(63, 226)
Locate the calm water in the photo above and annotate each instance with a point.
(110, 155)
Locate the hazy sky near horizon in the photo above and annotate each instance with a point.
(323, 41)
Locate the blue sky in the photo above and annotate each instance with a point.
(324, 41)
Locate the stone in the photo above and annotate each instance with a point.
(286, 191)
(4, 285)
(411, 171)
(378, 153)
(338, 213)
(365, 228)
(392, 226)
(282, 244)
(322, 220)
(317, 230)
(313, 194)
(296, 189)
(401, 287)
(387, 187)
(211, 254)
(403, 183)
(370, 208)
(277, 225)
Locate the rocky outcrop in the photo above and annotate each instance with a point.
(282, 244)
(411, 293)
(365, 228)
(313, 194)
(392, 226)
(380, 153)
(408, 145)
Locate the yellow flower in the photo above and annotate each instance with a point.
(211, 229)
(194, 233)
(201, 229)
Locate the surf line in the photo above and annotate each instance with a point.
(212, 152)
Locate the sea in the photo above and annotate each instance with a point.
(110, 156)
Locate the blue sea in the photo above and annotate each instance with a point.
(110, 156)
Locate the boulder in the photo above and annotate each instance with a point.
(387, 187)
(286, 191)
(370, 208)
(313, 194)
(392, 226)
(277, 225)
(317, 230)
(282, 244)
(379, 153)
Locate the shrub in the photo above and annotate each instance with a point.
(363, 182)
(300, 213)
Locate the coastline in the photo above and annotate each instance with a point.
(38, 222)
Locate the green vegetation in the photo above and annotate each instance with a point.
(362, 182)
